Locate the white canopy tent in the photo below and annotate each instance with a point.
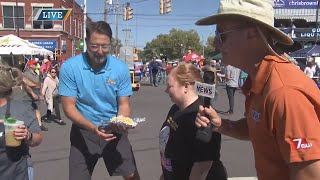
(13, 45)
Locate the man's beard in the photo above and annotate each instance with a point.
(99, 59)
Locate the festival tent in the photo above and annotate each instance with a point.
(192, 57)
(313, 51)
(13, 45)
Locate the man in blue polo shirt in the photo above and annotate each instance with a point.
(94, 87)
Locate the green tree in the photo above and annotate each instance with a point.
(173, 45)
(210, 49)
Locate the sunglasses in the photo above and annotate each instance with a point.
(53, 72)
(221, 36)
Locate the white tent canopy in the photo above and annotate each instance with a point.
(17, 46)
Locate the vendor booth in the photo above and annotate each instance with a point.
(13, 49)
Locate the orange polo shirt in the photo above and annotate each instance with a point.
(282, 111)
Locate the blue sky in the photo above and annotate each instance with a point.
(147, 23)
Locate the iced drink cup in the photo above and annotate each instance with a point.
(10, 139)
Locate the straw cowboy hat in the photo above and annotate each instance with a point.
(257, 11)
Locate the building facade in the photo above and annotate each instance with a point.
(16, 17)
(300, 20)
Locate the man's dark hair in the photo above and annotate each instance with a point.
(100, 27)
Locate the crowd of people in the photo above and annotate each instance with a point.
(44, 89)
(281, 118)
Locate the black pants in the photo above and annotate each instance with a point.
(230, 93)
(217, 172)
(154, 77)
(87, 148)
(56, 109)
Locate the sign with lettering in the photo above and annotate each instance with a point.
(51, 14)
(302, 34)
(203, 89)
(50, 45)
(295, 4)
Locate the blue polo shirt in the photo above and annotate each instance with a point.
(96, 91)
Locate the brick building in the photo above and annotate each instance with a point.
(16, 18)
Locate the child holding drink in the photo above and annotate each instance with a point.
(19, 129)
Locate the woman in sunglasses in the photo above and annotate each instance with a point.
(50, 93)
(14, 145)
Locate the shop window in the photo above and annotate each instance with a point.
(41, 24)
(13, 16)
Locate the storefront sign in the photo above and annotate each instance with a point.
(295, 4)
(50, 45)
(303, 34)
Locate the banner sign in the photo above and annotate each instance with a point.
(50, 45)
(295, 4)
(302, 34)
(51, 14)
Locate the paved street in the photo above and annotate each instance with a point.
(51, 157)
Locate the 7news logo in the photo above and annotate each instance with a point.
(301, 143)
(51, 14)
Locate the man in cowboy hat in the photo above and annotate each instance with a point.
(282, 104)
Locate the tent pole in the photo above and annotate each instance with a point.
(12, 59)
(317, 23)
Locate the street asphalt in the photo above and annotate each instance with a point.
(51, 157)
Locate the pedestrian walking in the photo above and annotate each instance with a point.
(33, 95)
(154, 69)
(95, 86)
(50, 93)
(282, 104)
(162, 73)
(183, 156)
(232, 83)
(14, 151)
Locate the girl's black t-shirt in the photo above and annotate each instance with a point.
(179, 147)
(14, 161)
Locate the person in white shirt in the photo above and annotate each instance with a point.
(232, 83)
(309, 71)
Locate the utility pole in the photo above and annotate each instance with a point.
(126, 42)
(85, 25)
(117, 27)
(105, 11)
(17, 18)
(136, 41)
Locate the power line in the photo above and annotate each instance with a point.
(169, 19)
(152, 15)
(167, 25)
(140, 1)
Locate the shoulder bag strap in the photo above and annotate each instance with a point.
(8, 114)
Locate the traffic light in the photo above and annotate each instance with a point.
(129, 13)
(161, 6)
(168, 6)
(125, 13)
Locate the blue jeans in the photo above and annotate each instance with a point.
(163, 76)
(30, 172)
